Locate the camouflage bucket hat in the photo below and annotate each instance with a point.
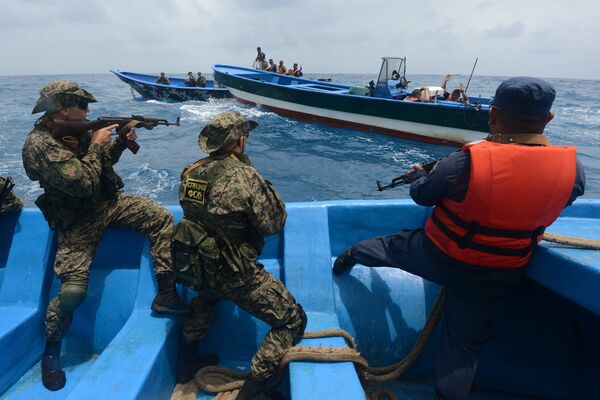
(60, 94)
(223, 130)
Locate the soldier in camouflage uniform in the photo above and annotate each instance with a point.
(82, 197)
(10, 202)
(228, 209)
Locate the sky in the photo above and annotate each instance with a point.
(551, 39)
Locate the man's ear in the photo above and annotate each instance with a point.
(550, 116)
(492, 116)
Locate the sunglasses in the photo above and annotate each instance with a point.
(81, 104)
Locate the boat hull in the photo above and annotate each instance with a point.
(444, 122)
(176, 92)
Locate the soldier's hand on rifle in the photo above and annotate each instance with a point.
(102, 135)
(131, 135)
(417, 167)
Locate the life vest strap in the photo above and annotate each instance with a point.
(485, 230)
(466, 242)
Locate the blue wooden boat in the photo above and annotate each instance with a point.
(381, 109)
(147, 87)
(546, 345)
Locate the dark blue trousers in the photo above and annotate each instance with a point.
(472, 294)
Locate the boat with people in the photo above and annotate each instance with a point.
(382, 107)
(177, 90)
(118, 349)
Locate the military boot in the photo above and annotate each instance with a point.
(344, 262)
(167, 299)
(53, 377)
(252, 388)
(190, 362)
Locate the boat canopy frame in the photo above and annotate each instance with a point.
(389, 65)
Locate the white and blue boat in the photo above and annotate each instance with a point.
(382, 108)
(546, 345)
(147, 87)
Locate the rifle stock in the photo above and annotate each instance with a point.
(63, 128)
(404, 178)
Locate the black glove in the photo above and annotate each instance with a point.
(344, 262)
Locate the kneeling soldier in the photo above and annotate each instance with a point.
(228, 209)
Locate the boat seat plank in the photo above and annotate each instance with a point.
(307, 260)
(135, 364)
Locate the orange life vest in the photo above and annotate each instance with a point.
(514, 193)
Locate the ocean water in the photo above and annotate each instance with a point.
(305, 161)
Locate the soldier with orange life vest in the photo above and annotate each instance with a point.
(492, 201)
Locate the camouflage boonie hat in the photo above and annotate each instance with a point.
(61, 94)
(223, 130)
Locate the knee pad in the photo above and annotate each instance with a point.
(71, 296)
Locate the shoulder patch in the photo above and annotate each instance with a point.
(70, 170)
(195, 190)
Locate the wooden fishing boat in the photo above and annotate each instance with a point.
(147, 87)
(546, 345)
(381, 108)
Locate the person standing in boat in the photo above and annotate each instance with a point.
(190, 81)
(82, 197)
(260, 61)
(492, 201)
(228, 209)
(163, 79)
(9, 201)
(201, 80)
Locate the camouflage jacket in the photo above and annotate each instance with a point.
(240, 201)
(230, 208)
(11, 202)
(74, 180)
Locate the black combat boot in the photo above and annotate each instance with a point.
(53, 377)
(344, 262)
(252, 388)
(167, 299)
(190, 362)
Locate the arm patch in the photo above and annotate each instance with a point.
(70, 170)
(195, 190)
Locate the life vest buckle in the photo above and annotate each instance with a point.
(473, 228)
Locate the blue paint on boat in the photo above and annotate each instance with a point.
(546, 345)
(147, 87)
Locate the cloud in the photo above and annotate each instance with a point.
(65, 36)
(513, 30)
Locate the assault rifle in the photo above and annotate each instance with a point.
(6, 188)
(61, 128)
(405, 178)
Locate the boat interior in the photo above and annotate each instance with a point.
(546, 344)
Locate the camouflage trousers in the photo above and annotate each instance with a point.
(77, 245)
(266, 298)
